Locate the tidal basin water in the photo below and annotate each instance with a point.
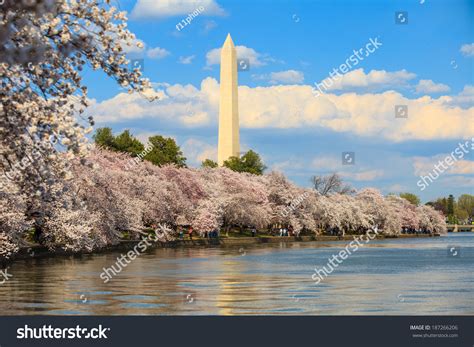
(421, 276)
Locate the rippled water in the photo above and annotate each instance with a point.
(388, 277)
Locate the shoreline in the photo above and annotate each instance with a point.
(39, 251)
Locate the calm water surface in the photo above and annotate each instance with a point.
(389, 277)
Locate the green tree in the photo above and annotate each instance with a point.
(103, 137)
(460, 214)
(441, 204)
(451, 217)
(465, 206)
(125, 142)
(235, 164)
(450, 204)
(250, 162)
(165, 151)
(209, 163)
(415, 200)
(466, 202)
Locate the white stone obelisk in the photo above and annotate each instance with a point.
(229, 101)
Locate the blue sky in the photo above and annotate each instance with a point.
(426, 64)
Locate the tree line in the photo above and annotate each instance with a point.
(457, 211)
(165, 151)
(104, 202)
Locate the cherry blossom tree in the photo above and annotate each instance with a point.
(431, 220)
(242, 198)
(110, 198)
(281, 193)
(44, 47)
(207, 217)
(406, 211)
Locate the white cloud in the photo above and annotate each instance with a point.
(457, 181)
(213, 57)
(397, 188)
(467, 49)
(196, 151)
(288, 76)
(209, 25)
(284, 77)
(295, 106)
(195, 118)
(368, 175)
(186, 60)
(465, 99)
(425, 165)
(183, 104)
(157, 53)
(150, 9)
(374, 80)
(362, 114)
(429, 87)
(326, 163)
(144, 135)
(133, 47)
(288, 165)
(138, 49)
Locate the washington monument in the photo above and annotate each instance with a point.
(228, 145)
